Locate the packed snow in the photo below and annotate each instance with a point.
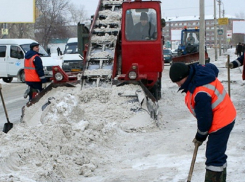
(97, 135)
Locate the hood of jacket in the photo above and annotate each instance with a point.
(199, 75)
(30, 53)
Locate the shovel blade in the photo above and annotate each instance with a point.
(7, 127)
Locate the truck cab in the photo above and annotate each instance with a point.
(141, 55)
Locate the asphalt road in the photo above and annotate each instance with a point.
(13, 97)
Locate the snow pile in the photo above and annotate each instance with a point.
(62, 141)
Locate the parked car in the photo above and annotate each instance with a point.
(167, 55)
(72, 62)
(12, 53)
(175, 52)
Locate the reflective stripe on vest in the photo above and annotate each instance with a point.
(30, 71)
(221, 104)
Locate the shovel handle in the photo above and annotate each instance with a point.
(4, 104)
(193, 162)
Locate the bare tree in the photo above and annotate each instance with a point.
(21, 30)
(51, 22)
(77, 14)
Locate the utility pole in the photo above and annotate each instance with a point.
(215, 32)
(219, 28)
(202, 33)
(225, 33)
(170, 34)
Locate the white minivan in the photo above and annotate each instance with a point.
(12, 53)
(72, 60)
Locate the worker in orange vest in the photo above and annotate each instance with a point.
(208, 101)
(33, 67)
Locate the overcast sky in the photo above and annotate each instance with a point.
(172, 8)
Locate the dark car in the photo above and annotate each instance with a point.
(167, 55)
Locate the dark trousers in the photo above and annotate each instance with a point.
(35, 87)
(216, 147)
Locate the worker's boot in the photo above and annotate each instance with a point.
(223, 176)
(212, 176)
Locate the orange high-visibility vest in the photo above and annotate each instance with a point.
(30, 71)
(223, 109)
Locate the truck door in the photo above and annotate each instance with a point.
(3, 71)
(15, 61)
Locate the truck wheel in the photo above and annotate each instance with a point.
(22, 76)
(8, 79)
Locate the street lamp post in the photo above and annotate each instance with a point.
(215, 32)
(202, 34)
(219, 28)
(170, 36)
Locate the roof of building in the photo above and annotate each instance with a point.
(191, 18)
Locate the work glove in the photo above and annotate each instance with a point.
(43, 80)
(44, 85)
(230, 65)
(197, 142)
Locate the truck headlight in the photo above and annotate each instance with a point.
(132, 75)
(58, 76)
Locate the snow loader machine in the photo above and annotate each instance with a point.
(115, 57)
(188, 50)
(112, 56)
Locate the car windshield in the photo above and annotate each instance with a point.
(166, 51)
(71, 48)
(26, 47)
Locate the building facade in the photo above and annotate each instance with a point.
(178, 23)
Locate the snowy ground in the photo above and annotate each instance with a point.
(96, 136)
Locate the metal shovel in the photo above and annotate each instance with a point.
(7, 126)
(193, 162)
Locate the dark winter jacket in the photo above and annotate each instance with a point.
(238, 62)
(38, 65)
(200, 75)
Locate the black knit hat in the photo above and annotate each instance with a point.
(143, 16)
(33, 44)
(178, 71)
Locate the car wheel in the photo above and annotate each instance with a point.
(8, 79)
(22, 76)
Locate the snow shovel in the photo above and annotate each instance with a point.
(7, 126)
(193, 162)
